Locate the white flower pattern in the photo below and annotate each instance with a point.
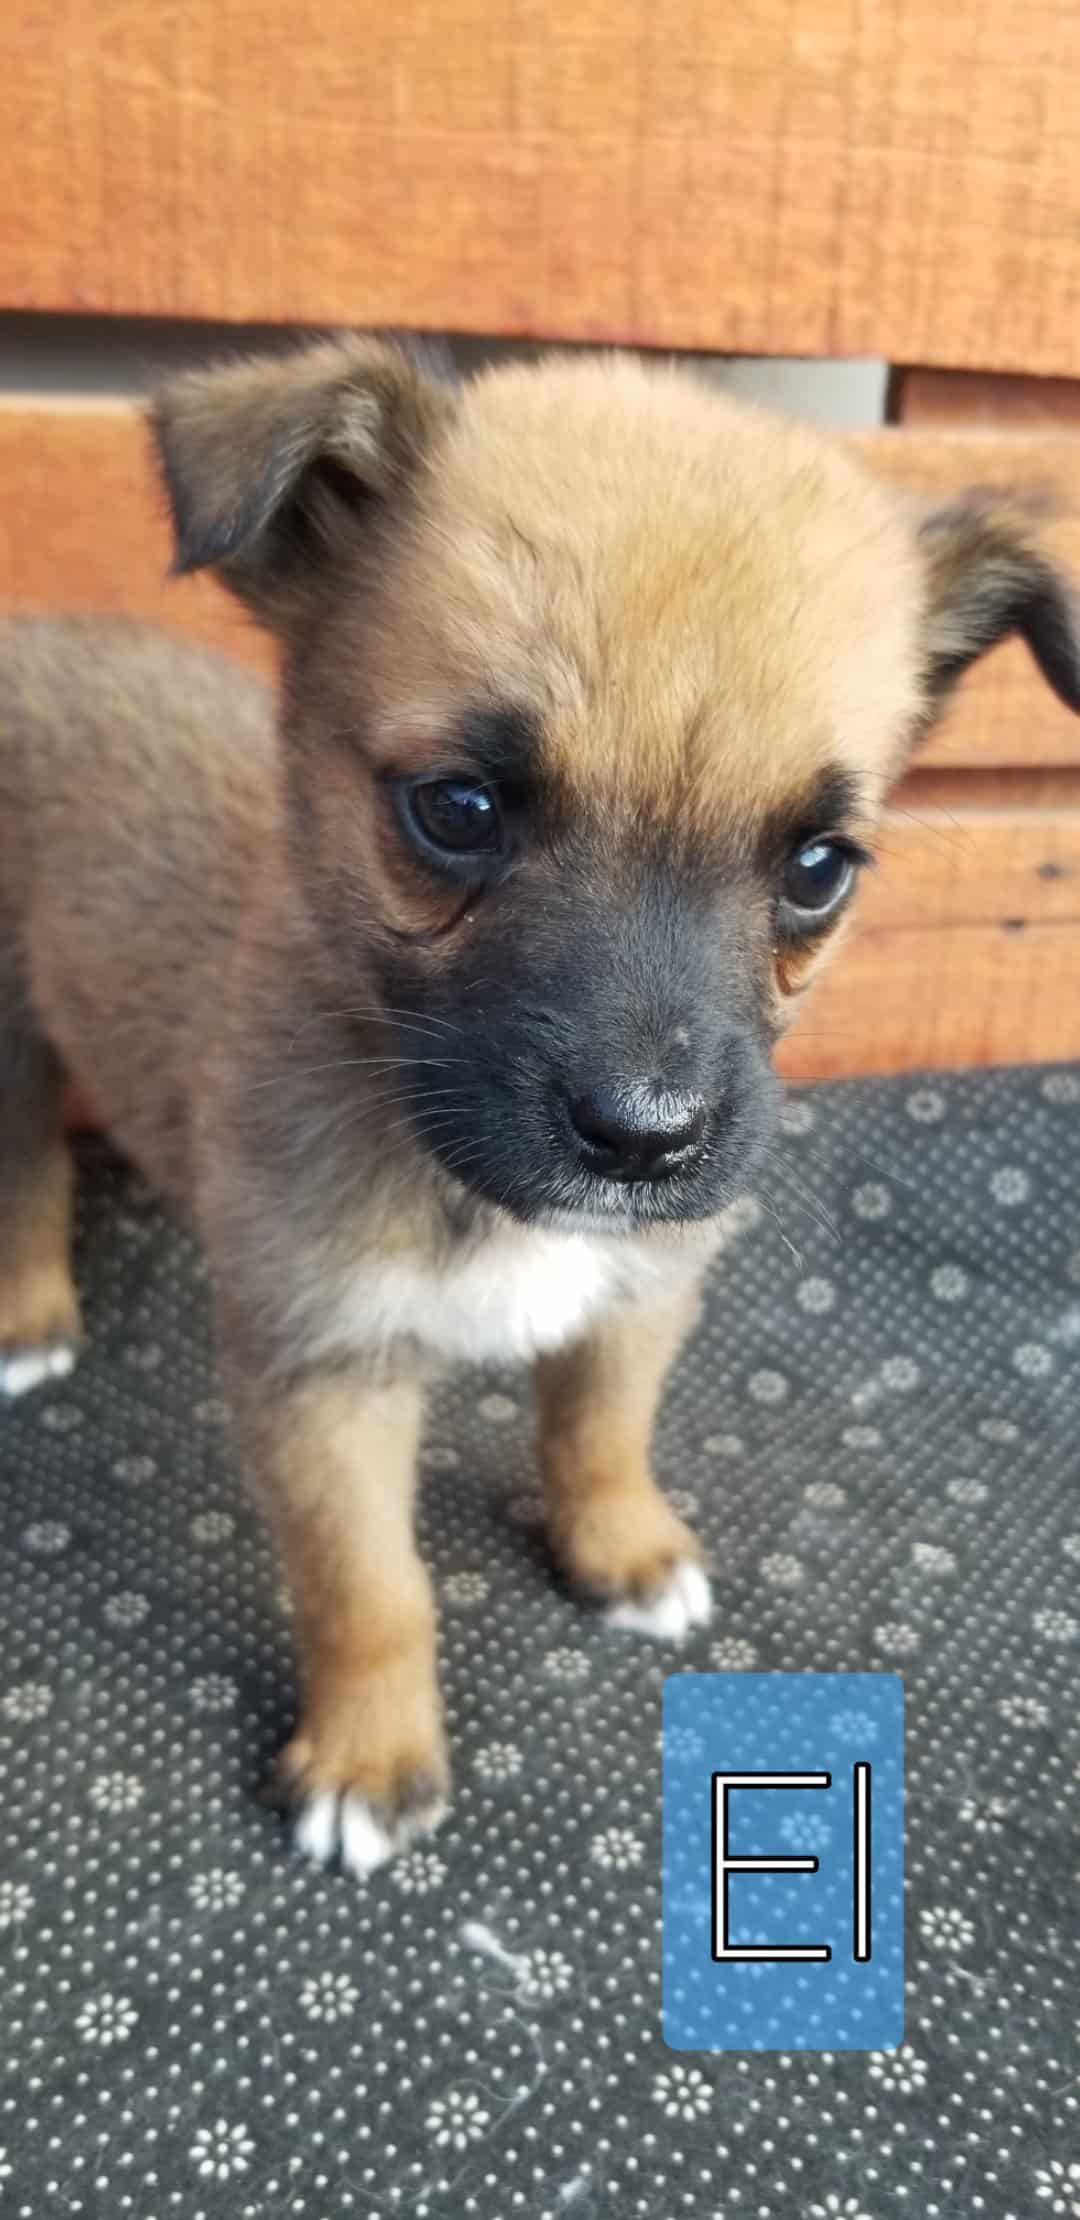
(107, 2019)
(547, 1974)
(467, 1588)
(127, 1609)
(31, 1699)
(683, 2093)
(1057, 2185)
(213, 1692)
(733, 1654)
(216, 1889)
(223, 2151)
(458, 2119)
(945, 1927)
(902, 2071)
(499, 1761)
(116, 1792)
(617, 1848)
(329, 1997)
(782, 1570)
(47, 1537)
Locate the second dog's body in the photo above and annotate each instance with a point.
(443, 999)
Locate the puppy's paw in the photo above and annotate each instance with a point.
(340, 1826)
(681, 1602)
(25, 1365)
(40, 1329)
(362, 1780)
(627, 1548)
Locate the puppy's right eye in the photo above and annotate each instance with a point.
(817, 878)
(450, 818)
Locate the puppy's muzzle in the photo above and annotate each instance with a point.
(635, 1130)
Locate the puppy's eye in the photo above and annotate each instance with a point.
(454, 817)
(817, 878)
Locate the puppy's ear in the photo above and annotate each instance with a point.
(988, 578)
(273, 466)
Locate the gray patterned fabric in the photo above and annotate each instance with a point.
(876, 1429)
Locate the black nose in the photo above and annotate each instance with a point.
(638, 1131)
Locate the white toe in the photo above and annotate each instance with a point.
(315, 1830)
(18, 1374)
(364, 1844)
(683, 1602)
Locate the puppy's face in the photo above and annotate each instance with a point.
(595, 684)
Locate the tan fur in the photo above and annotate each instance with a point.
(336, 1471)
(611, 1529)
(698, 611)
(672, 516)
(38, 1303)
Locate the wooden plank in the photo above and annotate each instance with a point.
(905, 999)
(899, 179)
(1006, 854)
(83, 526)
(978, 401)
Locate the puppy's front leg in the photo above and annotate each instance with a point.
(334, 1464)
(611, 1529)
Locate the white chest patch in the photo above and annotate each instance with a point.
(520, 1292)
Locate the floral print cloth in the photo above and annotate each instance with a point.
(877, 1429)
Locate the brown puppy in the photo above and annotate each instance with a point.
(447, 1015)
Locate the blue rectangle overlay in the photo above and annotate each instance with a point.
(783, 1861)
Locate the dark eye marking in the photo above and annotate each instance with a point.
(466, 816)
(812, 861)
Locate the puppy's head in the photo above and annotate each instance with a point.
(594, 684)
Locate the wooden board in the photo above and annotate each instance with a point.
(900, 179)
(911, 1000)
(83, 524)
(976, 401)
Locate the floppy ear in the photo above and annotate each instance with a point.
(987, 579)
(272, 466)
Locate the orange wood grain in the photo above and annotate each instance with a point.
(83, 525)
(899, 179)
(922, 999)
(978, 401)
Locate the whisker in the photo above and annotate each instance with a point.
(355, 1063)
(768, 1204)
(806, 1200)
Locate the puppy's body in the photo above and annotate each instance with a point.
(443, 1002)
(139, 786)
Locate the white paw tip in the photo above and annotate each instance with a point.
(18, 1374)
(364, 1844)
(684, 1602)
(327, 1825)
(315, 1829)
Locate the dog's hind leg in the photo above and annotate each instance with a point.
(40, 1329)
